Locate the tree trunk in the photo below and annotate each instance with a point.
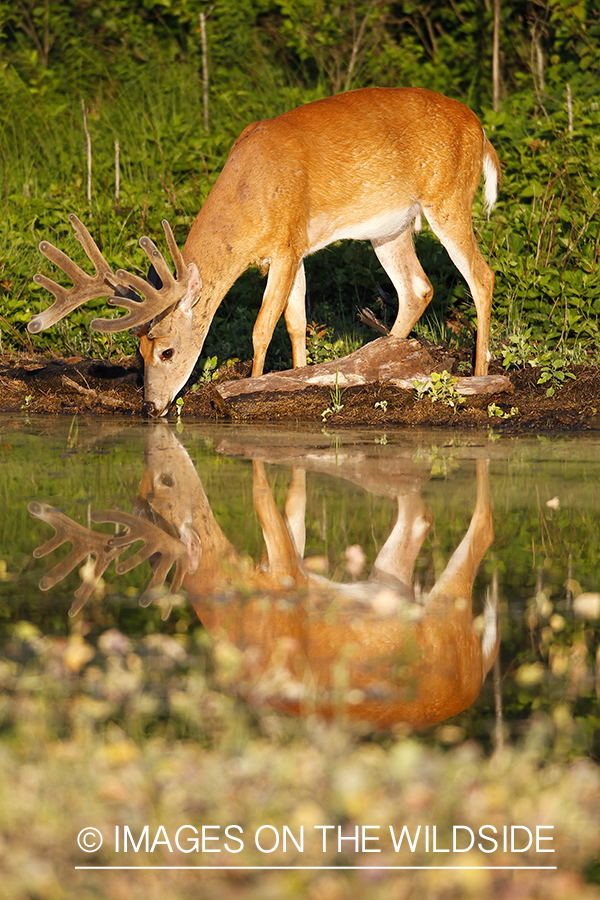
(496, 80)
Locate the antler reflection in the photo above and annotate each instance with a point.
(104, 548)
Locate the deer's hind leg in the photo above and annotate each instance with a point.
(398, 258)
(455, 231)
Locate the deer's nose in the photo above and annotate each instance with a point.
(148, 408)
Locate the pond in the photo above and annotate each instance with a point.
(241, 661)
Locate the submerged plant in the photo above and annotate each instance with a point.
(73, 435)
(179, 409)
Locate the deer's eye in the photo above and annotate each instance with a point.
(166, 354)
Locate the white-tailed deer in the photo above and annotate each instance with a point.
(367, 650)
(365, 165)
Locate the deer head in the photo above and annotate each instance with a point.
(160, 313)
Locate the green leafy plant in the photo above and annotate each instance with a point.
(497, 412)
(209, 370)
(336, 400)
(522, 350)
(320, 346)
(440, 387)
(518, 350)
(554, 375)
(422, 388)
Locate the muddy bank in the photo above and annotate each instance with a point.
(89, 387)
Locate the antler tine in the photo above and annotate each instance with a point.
(85, 543)
(155, 540)
(105, 548)
(85, 287)
(156, 300)
(180, 266)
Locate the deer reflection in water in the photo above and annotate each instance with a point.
(369, 651)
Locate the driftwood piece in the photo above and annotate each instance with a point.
(89, 393)
(368, 317)
(386, 360)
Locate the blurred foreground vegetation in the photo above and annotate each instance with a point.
(116, 717)
(123, 731)
(136, 70)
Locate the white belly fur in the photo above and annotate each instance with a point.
(324, 230)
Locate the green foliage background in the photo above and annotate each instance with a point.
(137, 68)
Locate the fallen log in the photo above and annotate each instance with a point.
(387, 360)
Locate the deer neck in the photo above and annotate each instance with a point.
(221, 245)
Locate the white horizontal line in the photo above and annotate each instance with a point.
(318, 868)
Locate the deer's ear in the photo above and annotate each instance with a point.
(194, 289)
(160, 327)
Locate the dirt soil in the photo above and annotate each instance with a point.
(38, 385)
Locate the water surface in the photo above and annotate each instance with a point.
(424, 597)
